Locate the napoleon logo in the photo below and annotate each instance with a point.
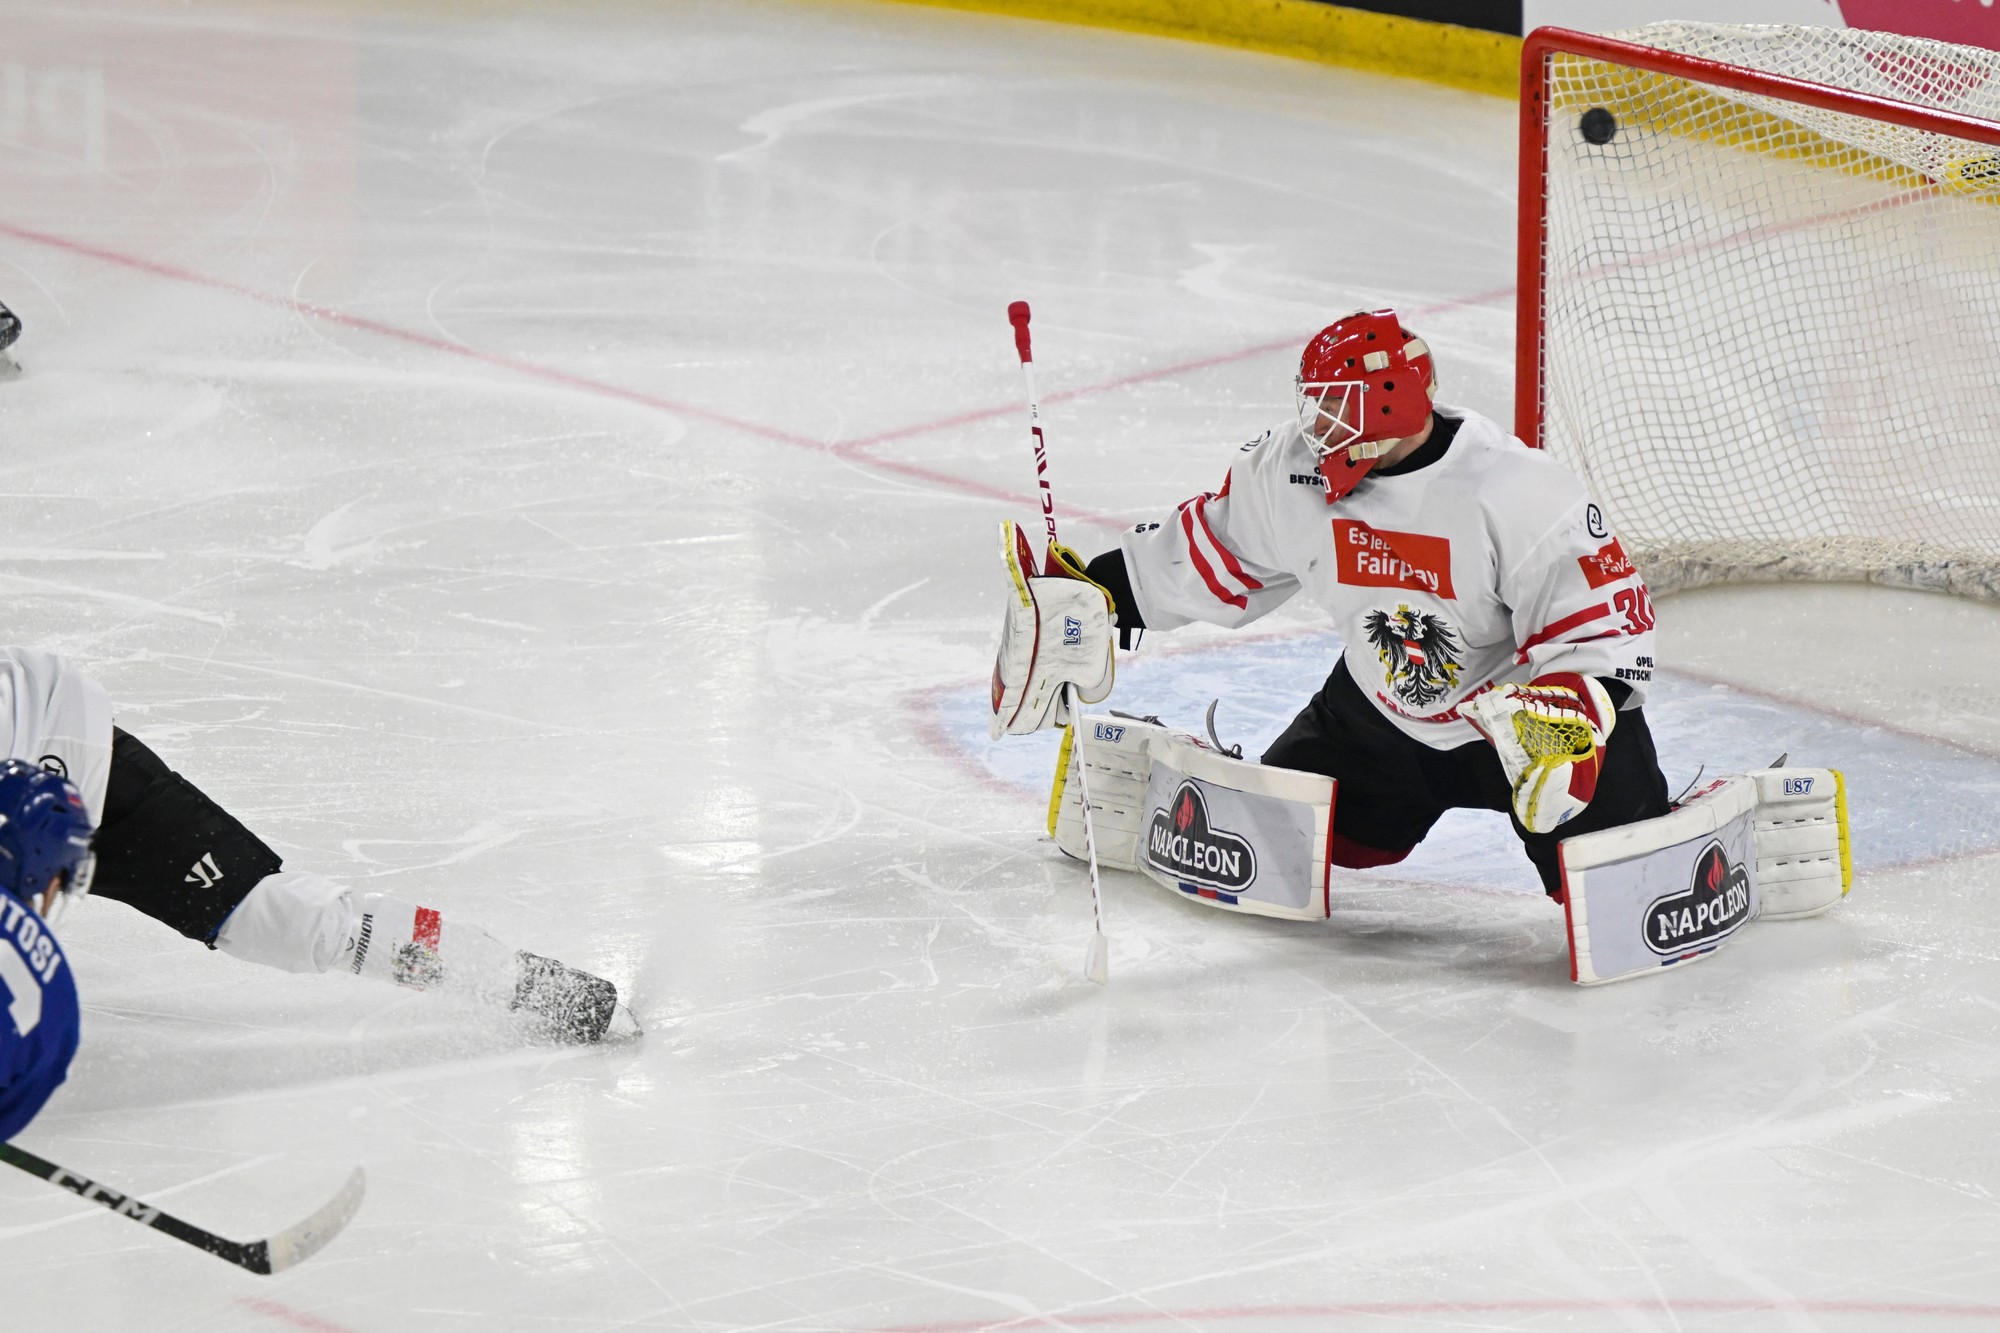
(54, 764)
(1713, 905)
(1420, 653)
(1593, 519)
(1181, 842)
(1072, 632)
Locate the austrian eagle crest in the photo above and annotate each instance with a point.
(1420, 654)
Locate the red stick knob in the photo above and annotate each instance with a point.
(1017, 315)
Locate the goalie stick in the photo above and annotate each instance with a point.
(273, 1255)
(1097, 962)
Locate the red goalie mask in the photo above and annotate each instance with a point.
(1364, 383)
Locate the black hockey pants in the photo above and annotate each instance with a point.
(168, 850)
(1393, 788)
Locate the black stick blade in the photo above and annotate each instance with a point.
(291, 1246)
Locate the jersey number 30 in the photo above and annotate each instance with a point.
(1638, 609)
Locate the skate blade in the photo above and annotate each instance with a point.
(624, 1026)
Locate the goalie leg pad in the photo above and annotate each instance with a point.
(1804, 865)
(1235, 835)
(1116, 750)
(1645, 896)
(1239, 836)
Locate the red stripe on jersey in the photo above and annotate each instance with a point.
(1564, 626)
(1229, 561)
(1206, 570)
(427, 927)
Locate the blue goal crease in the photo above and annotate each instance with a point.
(1696, 725)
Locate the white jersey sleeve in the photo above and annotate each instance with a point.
(1218, 557)
(53, 715)
(1578, 602)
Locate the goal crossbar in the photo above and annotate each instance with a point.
(1544, 43)
(1823, 551)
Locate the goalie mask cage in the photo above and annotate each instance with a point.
(1760, 298)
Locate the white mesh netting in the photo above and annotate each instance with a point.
(1772, 333)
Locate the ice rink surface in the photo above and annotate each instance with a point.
(544, 460)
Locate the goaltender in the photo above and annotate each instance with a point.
(1498, 641)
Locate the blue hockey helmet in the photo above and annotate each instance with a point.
(44, 834)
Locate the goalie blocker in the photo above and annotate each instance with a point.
(1670, 890)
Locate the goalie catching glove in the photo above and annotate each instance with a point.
(1057, 633)
(1550, 736)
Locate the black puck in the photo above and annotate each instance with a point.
(1598, 126)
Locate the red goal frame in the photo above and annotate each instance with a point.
(1531, 257)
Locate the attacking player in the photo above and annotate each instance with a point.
(44, 856)
(165, 848)
(1498, 641)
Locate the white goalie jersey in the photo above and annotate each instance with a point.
(1491, 565)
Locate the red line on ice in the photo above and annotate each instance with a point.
(1408, 1309)
(851, 451)
(312, 1323)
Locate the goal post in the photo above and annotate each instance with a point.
(1760, 298)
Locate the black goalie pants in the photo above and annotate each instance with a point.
(1393, 788)
(168, 850)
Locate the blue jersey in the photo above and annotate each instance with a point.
(40, 1037)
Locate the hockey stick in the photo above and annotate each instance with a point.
(290, 1246)
(1097, 962)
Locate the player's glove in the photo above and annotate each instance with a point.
(1057, 632)
(1550, 736)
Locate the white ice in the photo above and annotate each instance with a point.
(544, 459)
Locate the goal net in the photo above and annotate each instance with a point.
(1760, 298)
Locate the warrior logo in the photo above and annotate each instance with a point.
(205, 872)
(1706, 912)
(1181, 843)
(1419, 651)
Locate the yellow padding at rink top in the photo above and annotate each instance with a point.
(1485, 62)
